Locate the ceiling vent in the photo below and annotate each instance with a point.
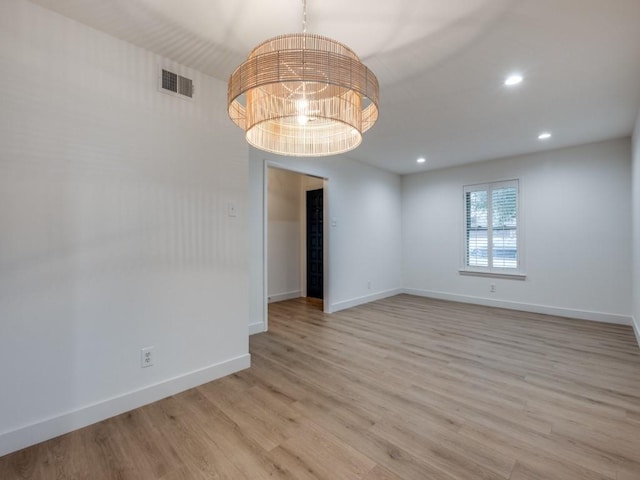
(177, 84)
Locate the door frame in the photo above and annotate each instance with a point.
(265, 236)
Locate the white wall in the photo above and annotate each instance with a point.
(575, 210)
(365, 243)
(636, 229)
(284, 233)
(115, 233)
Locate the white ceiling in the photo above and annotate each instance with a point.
(440, 63)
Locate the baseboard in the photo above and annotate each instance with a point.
(366, 299)
(636, 329)
(525, 307)
(23, 437)
(256, 328)
(281, 297)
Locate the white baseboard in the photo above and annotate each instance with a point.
(28, 435)
(525, 307)
(636, 329)
(256, 328)
(281, 297)
(354, 302)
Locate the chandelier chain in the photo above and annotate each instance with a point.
(304, 16)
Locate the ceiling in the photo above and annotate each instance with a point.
(441, 64)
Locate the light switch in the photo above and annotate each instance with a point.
(231, 209)
(334, 222)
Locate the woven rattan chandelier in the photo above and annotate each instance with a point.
(303, 95)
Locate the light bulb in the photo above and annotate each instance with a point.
(302, 105)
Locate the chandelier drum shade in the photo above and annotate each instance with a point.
(303, 95)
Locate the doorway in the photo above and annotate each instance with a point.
(295, 250)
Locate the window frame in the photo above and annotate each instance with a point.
(489, 270)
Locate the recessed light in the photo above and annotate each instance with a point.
(514, 79)
(421, 160)
(544, 136)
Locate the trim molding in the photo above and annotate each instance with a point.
(281, 297)
(256, 328)
(13, 440)
(480, 273)
(526, 307)
(636, 329)
(354, 302)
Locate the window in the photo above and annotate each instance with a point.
(491, 228)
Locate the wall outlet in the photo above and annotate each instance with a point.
(492, 288)
(369, 285)
(147, 357)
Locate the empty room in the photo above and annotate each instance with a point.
(310, 239)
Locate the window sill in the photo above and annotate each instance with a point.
(480, 273)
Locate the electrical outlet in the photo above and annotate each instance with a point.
(146, 357)
(492, 288)
(369, 285)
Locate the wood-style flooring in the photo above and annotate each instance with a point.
(403, 388)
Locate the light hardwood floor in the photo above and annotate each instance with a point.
(404, 388)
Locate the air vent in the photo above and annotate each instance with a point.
(175, 83)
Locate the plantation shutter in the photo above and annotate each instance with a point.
(491, 226)
(477, 225)
(504, 208)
